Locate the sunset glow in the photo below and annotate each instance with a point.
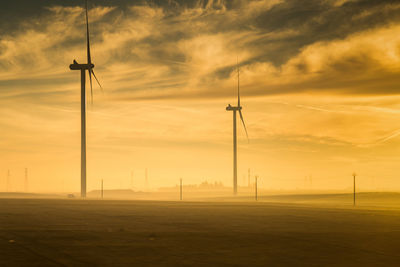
(320, 85)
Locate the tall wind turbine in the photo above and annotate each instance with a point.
(236, 109)
(83, 67)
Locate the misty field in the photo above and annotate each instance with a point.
(42, 232)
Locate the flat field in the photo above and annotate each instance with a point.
(60, 232)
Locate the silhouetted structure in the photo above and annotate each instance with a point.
(8, 180)
(256, 189)
(203, 187)
(102, 189)
(354, 189)
(180, 191)
(132, 180)
(26, 180)
(83, 67)
(238, 108)
(248, 177)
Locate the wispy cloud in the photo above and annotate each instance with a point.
(157, 51)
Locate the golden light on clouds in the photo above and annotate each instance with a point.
(319, 83)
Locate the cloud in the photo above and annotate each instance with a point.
(189, 49)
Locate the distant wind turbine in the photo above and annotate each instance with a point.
(256, 187)
(248, 177)
(354, 188)
(83, 67)
(8, 180)
(102, 189)
(180, 189)
(26, 180)
(238, 108)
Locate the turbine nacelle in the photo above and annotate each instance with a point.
(77, 66)
(231, 108)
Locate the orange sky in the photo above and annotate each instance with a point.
(319, 93)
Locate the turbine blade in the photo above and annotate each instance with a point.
(238, 74)
(244, 125)
(91, 85)
(97, 80)
(89, 58)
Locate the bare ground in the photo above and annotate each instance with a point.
(45, 232)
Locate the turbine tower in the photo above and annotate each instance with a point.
(83, 67)
(236, 109)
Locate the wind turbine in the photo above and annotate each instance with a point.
(236, 109)
(8, 181)
(26, 180)
(83, 67)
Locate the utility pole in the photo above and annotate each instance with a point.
(26, 179)
(181, 189)
(354, 189)
(102, 189)
(8, 181)
(256, 184)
